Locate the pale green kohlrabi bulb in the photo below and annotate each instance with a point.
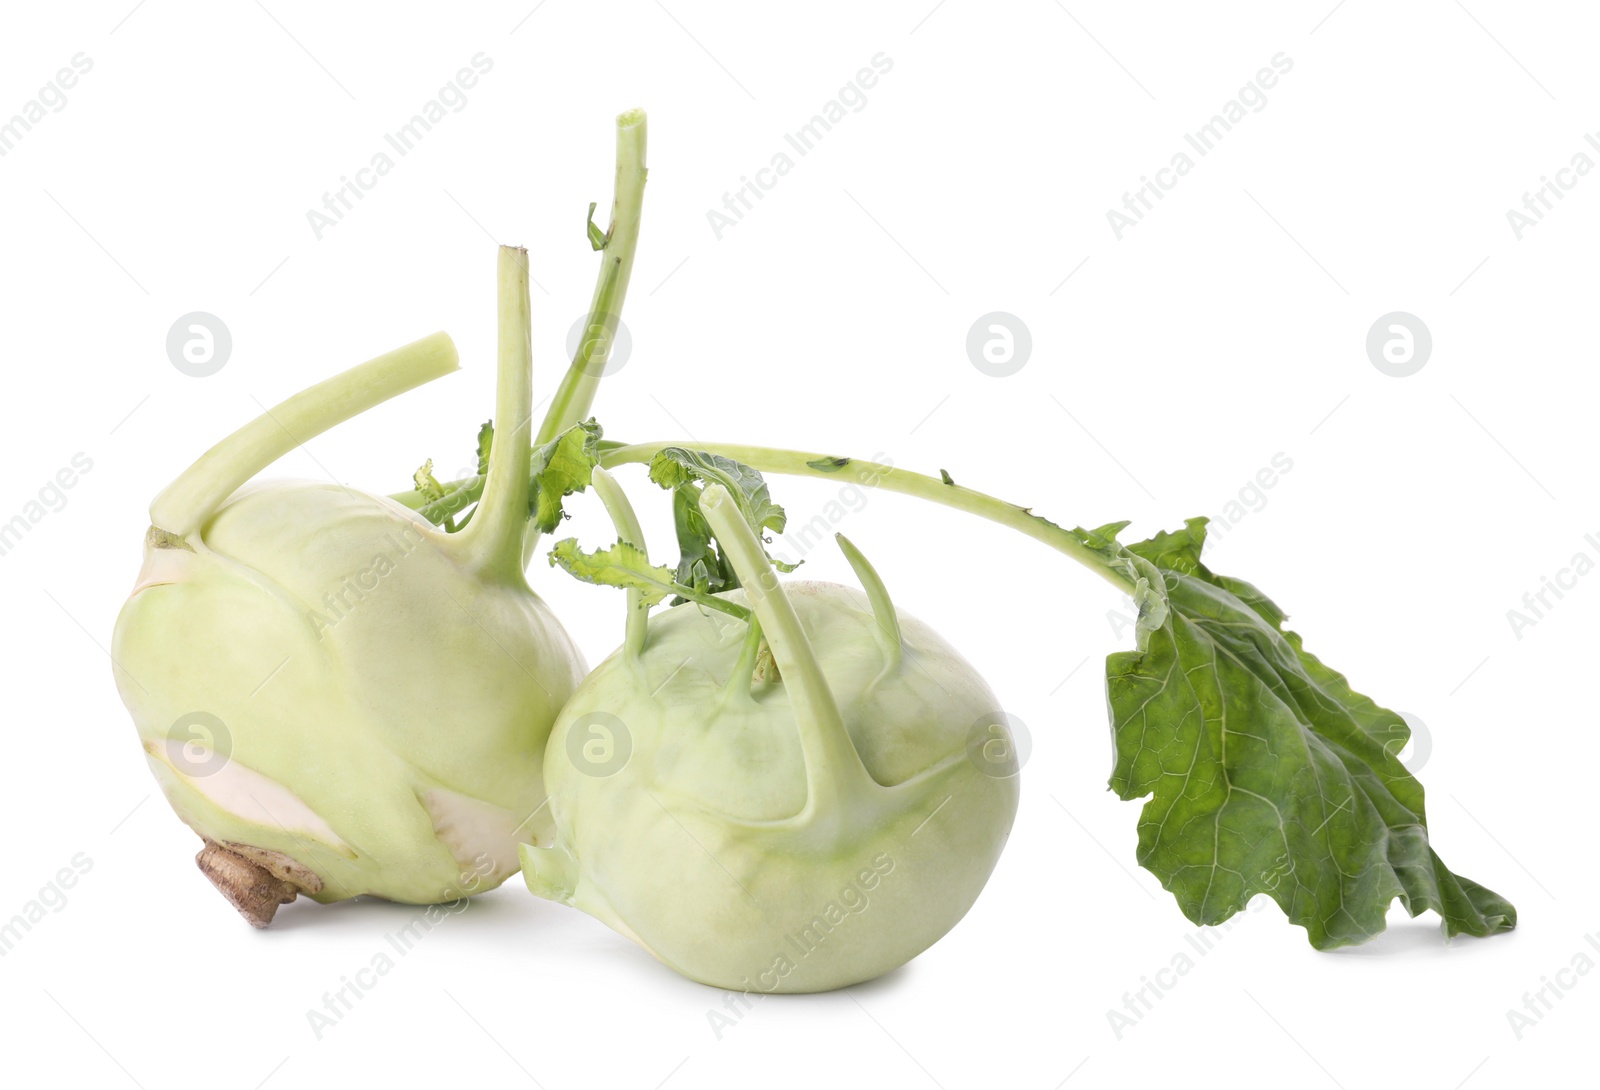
(338, 697)
(811, 831)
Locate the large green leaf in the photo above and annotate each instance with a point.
(1265, 772)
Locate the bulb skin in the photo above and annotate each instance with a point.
(682, 813)
(318, 674)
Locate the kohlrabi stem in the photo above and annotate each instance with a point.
(744, 670)
(576, 393)
(874, 475)
(493, 539)
(574, 397)
(834, 772)
(867, 474)
(187, 502)
(882, 607)
(629, 530)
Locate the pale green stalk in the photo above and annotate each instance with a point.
(834, 772)
(743, 673)
(185, 504)
(628, 530)
(574, 397)
(890, 479)
(882, 607)
(795, 463)
(493, 539)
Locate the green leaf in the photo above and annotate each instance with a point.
(426, 482)
(674, 467)
(945, 477)
(561, 467)
(428, 486)
(620, 565)
(700, 562)
(626, 566)
(485, 442)
(828, 465)
(597, 237)
(1265, 772)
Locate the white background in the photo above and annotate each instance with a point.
(1167, 370)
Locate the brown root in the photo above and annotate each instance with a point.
(255, 881)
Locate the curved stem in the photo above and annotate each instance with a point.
(875, 475)
(629, 530)
(834, 772)
(185, 504)
(882, 607)
(574, 397)
(796, 463)
(493, 539)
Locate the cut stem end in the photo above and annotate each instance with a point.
(253, 880)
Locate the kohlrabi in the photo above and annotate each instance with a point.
(340, 698)
(780, 788)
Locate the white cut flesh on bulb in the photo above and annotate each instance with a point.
(340, 698)
(804, 832)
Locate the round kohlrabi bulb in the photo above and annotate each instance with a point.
(811, 830)
(338, 697)
(322, 678)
